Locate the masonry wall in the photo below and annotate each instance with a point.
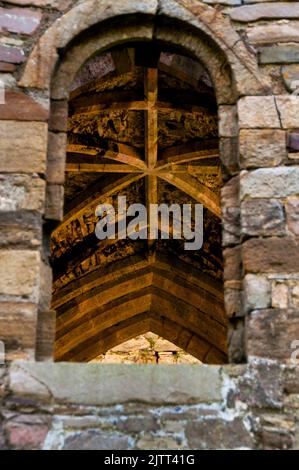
(254, 405)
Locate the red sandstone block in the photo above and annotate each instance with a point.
(19, 20)
(4, 67)
(20, 107)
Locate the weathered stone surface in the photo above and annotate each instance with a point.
(58, 116)
(17, 20)
(288, 107)
(232, 263)
(262, 148)
(229, 153)
(228, 121)
(116, 383)
(292, 211)
(27, 432)
(56, 157)
(233, 301)
(45, 335)
(20, 107)
(58, 4)
(231, 212)
(149, 442)
(274, 33)
(285, 54)
(262, 385)
(20, 229)
(293, 141)
(216, 433)
(270, 333)
(135, 424)
(280, 294)
(23, 147)
(291, 379)
(21, 192)
(54, 202)
(12, 55)
(19, 272)
(275, 254)
(265, 11)
(257, 292)
(290, 75)
(19, 342)
(262, 217)
(270, 183)
(236, 341)
(95, 440)
(6, 67)
(258, 112)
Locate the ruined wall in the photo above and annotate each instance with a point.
(253, 406)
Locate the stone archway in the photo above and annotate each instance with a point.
(203, 33)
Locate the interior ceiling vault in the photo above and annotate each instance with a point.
(142, 124)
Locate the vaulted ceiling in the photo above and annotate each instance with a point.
(142, 124)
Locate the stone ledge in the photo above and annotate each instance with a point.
(95, 384)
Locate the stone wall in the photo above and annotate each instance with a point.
(253, 60)
(148, 407)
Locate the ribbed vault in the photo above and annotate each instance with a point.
(142, 123)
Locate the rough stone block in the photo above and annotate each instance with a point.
(56, 157)
(275, 254)
(265, 11)
(12, 55)
(27, 432)
(284, 54)
(230, 212)
(236, 341)
(216, 433)
(262, 148)
(228, 121)
(20, 229)
(280, 295)
(258, 112)
(273, 33)
(21, 192)
(94, 439)
(262, 217)
(21, 107)
(257, 292)
(233, 301)
(290, 74)
(288, 107)
(19, 272)
(20, 21)
(58, 116)
(232, 263)
(229, 153)
(277, 182)
(23, 147)
(18, 330)
(270, 333)
(116, 384)
(54, 202)
(46, 330)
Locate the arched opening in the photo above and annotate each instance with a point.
(143, 125)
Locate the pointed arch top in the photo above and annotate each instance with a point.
(209, 36)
